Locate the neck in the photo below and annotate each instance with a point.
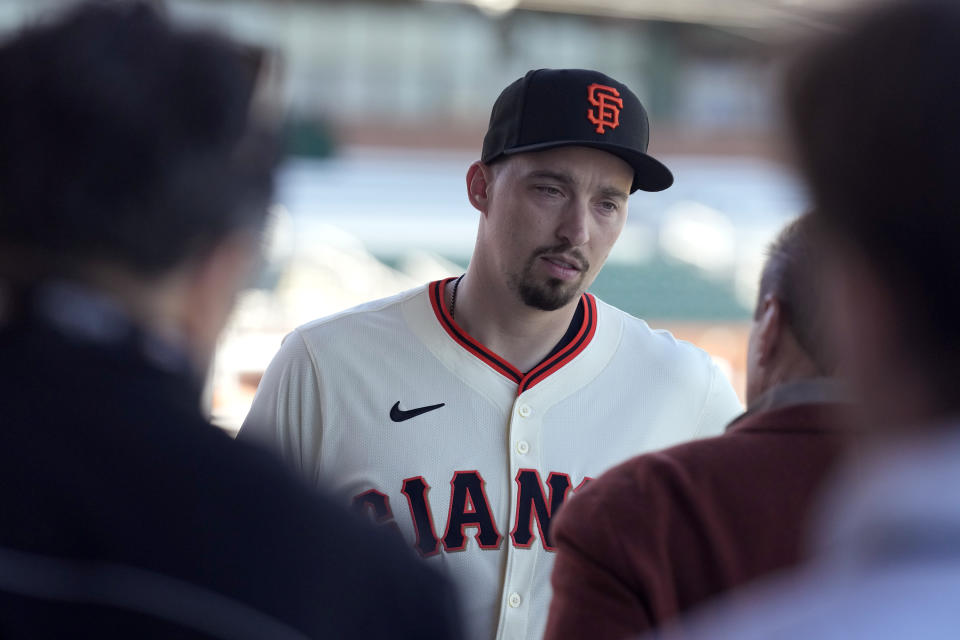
(501, 321)
(790, 363)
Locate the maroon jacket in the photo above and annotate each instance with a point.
(665, 531)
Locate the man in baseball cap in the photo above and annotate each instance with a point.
(464, 412)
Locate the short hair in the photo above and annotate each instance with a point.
(873, 118)
(792, 275)
(127, 141)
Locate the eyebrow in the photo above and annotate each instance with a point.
(559, 176)
(565, 178)
(613, 192)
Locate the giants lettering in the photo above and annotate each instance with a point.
(531, 501)
(377, 503)
(416, 491)
(469, 507)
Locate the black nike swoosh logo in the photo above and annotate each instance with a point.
(399, 415)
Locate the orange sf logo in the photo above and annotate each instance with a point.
(608, 104)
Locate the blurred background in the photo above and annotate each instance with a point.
(386, 106)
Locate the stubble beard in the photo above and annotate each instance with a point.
(552, 293)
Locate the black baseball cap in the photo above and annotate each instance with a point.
(550, 108)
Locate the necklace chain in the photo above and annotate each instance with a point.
(453, 299)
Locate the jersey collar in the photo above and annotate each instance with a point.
(574, 342)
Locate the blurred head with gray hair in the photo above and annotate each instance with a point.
(789, 338)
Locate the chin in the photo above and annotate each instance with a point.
(551, 295)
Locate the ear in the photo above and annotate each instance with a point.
(479, 178)
(769, 328)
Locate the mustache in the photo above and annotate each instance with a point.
(565, 252)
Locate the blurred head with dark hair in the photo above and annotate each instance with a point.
(788, 340)
(130, 159)
(873, 114)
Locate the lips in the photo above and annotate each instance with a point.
(564, 262)
(563, 267)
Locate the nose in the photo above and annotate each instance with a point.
(573, 228)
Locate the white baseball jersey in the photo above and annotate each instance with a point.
(393, 405)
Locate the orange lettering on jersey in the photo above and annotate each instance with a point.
(608, 105)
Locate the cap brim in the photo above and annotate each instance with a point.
(649, 174)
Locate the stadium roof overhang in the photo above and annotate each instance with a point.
(761, 14)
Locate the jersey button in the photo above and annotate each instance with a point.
(514, 600)
(523, 447)
(524, 411)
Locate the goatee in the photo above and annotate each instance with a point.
(553, 293)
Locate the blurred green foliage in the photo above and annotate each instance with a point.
(309, 137)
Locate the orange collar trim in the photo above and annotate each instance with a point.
(540, 372)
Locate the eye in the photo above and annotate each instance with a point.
(549, 190)
(609, 207)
